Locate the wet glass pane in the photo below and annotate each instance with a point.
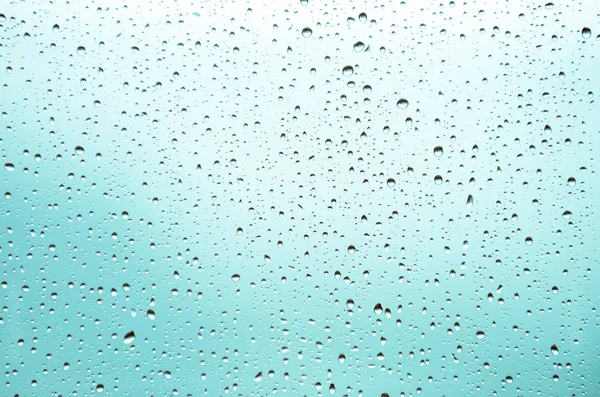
(306, 198)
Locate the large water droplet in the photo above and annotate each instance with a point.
(438, 151)
(307, 32)
(348, 70)
(402, 103)
(378, 309)
(469, 202)
(391, 182)
(129, 337)
(359, 46)
(586, 33)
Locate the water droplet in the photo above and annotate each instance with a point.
(348, 70)
(362, 17)
(378, 309)
(150, 314)
(307, 32)
(438, 180)
(235, 277)
(258, 377)
(81, 50)
(135, 49)
(480, 334)
(402, 104)
(528, 241)
(129, 337)
(549, 6)
(100, 388)
(79, 150)
(548, 129)
(469, 202)
(55, 28)
(554, 350)
(438, 151)
(359, 46)
(567, 214)
(351, 249)
(586, 33)
(391, 182)
(9, 167)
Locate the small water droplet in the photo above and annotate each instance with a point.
(55, 28)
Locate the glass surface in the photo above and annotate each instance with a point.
(307, 198)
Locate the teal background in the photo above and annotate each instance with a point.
(212, 151)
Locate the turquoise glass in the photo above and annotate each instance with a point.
(306, 198)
